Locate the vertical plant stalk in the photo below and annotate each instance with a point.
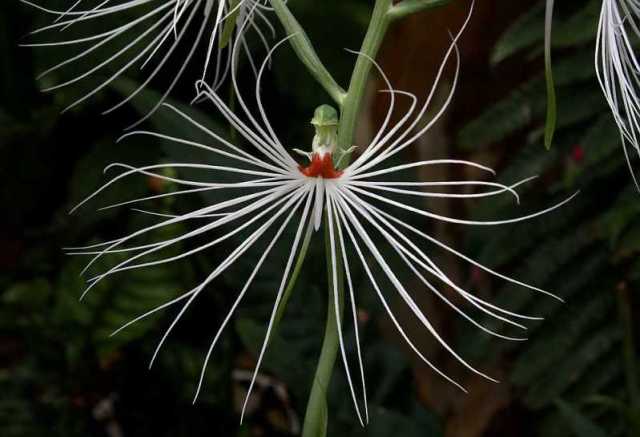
(317, 416)
(349, 102)
(384, 13)
(350, 109)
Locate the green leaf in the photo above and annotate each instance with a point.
(167, 122)
(575, 352)
(413, 422)
(544, 352)
(578, 28)
(291, 359)
(520, 35)
(581, 425)
(514, 112)
(589, 351)
(88, 176)
(119, 298)
(229, 24)
(187, 361)
(621, 217)
(32, 294)
(552, 110)
(528, 30)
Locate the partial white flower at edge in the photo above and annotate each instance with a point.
(618, 69)
(158, 35)
(275, 192)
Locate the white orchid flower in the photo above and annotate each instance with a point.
(618, 69)
(360, 206)
(156, 35)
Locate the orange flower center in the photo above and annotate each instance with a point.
(321, 166)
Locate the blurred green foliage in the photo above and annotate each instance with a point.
(587, 254)
(62, 374)
(61, 371)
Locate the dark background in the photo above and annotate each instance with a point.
(62, 375)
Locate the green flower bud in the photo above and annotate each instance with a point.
(325, 116)
(326, 122)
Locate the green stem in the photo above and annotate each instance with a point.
(350, 102)
(305, 51)
(353, 101)
(294, 277)
(317, 415)
(384, 13)
(408, 7)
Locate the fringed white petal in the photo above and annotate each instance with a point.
(283, 283)
(347, 224)
(352, 300)
(265, 205)
(156, 32)
(335, 286)
(347, 208)
(271, 188)
(246, 245)
(618, 69)
(275, 239)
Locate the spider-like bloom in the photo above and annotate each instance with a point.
(162, 36)
(618, 69)
(358, 202)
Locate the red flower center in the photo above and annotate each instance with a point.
(321, 166)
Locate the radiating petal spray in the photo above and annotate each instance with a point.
(618, 69)
(360, 204)
(158, 37)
